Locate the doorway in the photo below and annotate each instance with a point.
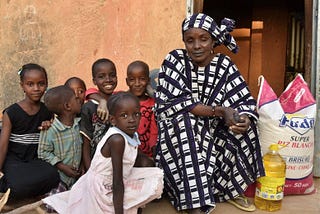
(271, 36)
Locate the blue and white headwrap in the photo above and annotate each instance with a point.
(221, 34)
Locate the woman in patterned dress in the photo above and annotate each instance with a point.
(208, 143)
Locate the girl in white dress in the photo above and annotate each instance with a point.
(112, 183)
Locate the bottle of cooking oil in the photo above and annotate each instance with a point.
(269, 189)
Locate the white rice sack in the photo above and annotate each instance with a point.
(289, 121)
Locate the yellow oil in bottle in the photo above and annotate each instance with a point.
(269, 189)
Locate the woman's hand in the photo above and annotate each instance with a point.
(227, 113)
(241, 126)
(237, 123)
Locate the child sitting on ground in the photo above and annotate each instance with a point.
(92, 128)
(61, 144)
(24, 173)
(138, 80)
(112, 184)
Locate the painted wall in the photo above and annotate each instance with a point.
(66, 37)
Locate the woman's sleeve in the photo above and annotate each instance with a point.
(238, 95)
(173, 93)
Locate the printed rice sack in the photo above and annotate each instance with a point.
(289, 121)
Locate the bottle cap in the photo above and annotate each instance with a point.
(274, 147)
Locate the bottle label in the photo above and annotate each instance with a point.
(270, 188)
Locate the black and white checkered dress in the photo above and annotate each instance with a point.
(203, 161)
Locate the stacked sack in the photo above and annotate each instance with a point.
(289, 121)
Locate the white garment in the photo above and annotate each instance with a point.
(92, 193)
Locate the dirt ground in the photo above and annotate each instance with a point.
(293, 204)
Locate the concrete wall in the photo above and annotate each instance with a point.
(66, 37)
